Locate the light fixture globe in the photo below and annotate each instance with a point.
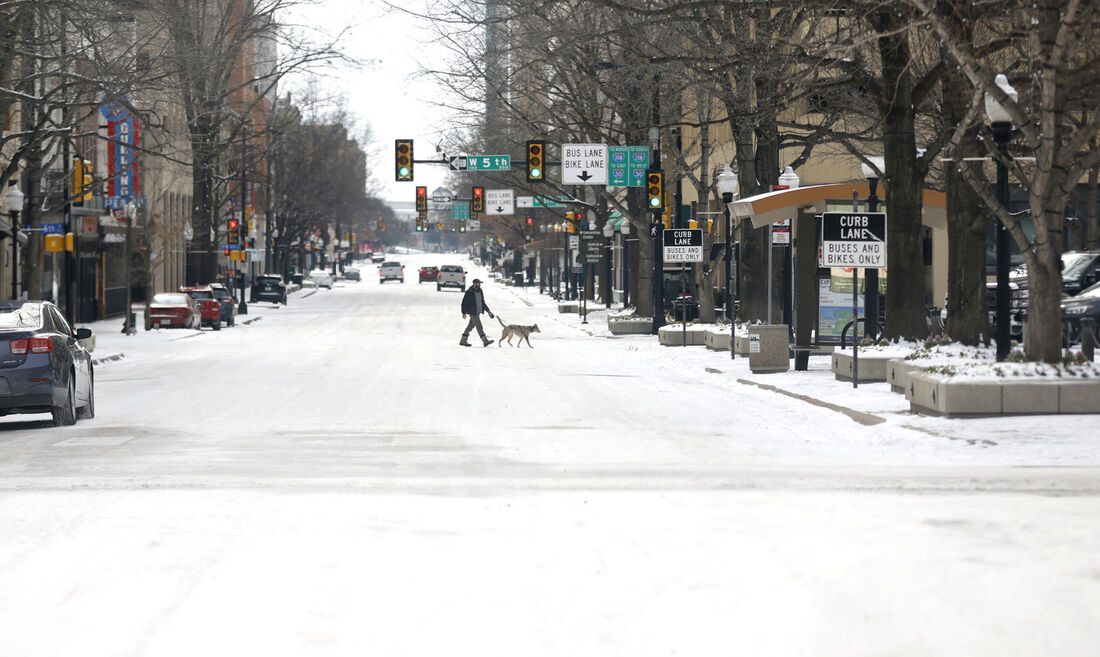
(727, 181)
(789, 178)
(14, 198)
(993, 109)
(869, 172)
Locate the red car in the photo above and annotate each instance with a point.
(429, 274)
(173, 310)
(209, 306)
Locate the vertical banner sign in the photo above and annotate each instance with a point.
(123, 173)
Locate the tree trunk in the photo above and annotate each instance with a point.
(1044, 313)
(905, 300)
(1091, 229)
(967, 223)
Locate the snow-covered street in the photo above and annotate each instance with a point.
(339, 477)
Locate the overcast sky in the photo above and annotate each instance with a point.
(385, 91)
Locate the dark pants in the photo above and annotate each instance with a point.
(475, 322)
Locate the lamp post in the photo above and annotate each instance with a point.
(870, 295)
(787, 180)
(727, 185)
(1001, 122)
(609, 235)
(14, 199)
(131, 211)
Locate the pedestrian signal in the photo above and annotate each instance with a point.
(536, 151)
(655, 190)
(403, 160)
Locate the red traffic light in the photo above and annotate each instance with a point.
(233, 224)
(478, 199)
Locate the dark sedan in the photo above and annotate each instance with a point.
(43, 366)
(1085, 305)
(269, 287)
(225, 299)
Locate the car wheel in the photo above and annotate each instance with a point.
(87, 411)
(65, 415)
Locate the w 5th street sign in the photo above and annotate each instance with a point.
(488, 162)
(853, 239)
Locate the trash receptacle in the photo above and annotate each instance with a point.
(685, 308)
(769, 348)
(517, 279)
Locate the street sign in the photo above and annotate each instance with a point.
(458, 163)
(627, 166)
(592, 247)
(539, 202)
(488, 162)
(460, 211)
(473, 226)
(574, 241)
(53, 229)
(781, 232)
(584, 164)
(854, 239)
(683, 245)
(499, 201)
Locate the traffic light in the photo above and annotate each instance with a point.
(478, 204)
(82, 180)
(529, 225)
(403, 160)
(232, 232)
(536, 152)
(462, 225)
(655, 190)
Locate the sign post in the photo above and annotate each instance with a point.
(857, 240)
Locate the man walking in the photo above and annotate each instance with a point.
(473, 304)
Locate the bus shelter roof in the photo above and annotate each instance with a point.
(770, 207)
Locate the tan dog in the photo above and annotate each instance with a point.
(521, 332)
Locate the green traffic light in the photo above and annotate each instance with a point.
(404, 171)
(654, 202)
(536, 172)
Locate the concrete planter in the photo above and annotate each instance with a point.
(932, 395)
(630, 326)
(721, 342)
(673, 335)
(897, 374)
(769, 348)
(568, 306)
(872, 368)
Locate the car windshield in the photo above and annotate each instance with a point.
(269, 279)
(27, 316)
(222, 294)
(201, 294)
(170, 299)
(428, 268)
(1074, 264)
(453, 268)
(391, 264)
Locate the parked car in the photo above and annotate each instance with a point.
(228, 307)
(428, 274)
(269, 287)
(451, 276)
(43, 366)
(1074, 309)
(391, 271)
(351, 274)
(173, 310)
(1080, 269)
(209, 307)
(322, 277)
(378, 256)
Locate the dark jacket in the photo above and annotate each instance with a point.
(469, 301)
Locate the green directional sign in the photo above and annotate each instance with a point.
(488, 162)
(591, 247)
(626, 166)
(460, 211)
(547, 202)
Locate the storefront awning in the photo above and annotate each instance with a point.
(770, 207)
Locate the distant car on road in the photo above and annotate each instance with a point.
(391, 271)
(322, 277)
(451, 276)
(173, 310)
(209, 306)
(43, 366)
(428, 274)
(269, 287)
(351, 274)
(228, 307)
(378, 256)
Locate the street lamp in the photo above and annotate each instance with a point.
(14, 200)
(1001, 122)
(131, 211)
(870, 295)
(727, 185)
(624, 231)
(609, 234)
